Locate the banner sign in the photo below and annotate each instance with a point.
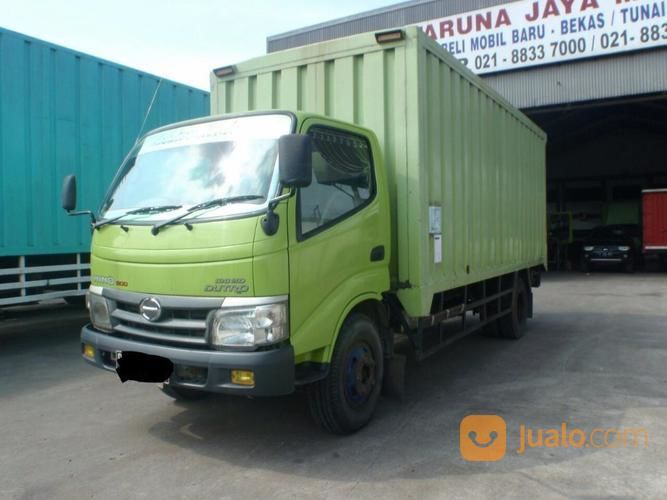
(535, 32)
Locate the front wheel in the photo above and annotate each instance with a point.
(346, 399)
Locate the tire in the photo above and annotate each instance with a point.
(513, 325)
(183, 394)
(346, 399)
(585, 267)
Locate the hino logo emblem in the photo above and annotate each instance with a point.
(150, 309)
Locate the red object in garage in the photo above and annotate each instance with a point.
(654, 210)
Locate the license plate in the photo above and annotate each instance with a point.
(143, 367)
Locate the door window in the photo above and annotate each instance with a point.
(342, 179)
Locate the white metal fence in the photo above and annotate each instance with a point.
(21, 282)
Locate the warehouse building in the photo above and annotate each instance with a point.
(591, 73)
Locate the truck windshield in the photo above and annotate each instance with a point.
(181, 167)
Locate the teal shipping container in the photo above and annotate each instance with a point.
(64, 112)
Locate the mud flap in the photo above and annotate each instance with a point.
(143, 367)
(530, 303)
(394, 377)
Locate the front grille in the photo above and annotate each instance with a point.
(168, 314)
(176, 326)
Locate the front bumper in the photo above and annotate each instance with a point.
(607, 257)
(273, 369)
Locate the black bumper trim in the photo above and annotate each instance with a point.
(274, 369)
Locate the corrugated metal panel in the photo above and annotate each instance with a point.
(447, 140)
(485, 166)
(655, 220)
(402, 14)
(65, 112)
(603, 78)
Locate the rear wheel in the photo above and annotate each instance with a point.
(513, 325)
(346, 399)
(183, 394)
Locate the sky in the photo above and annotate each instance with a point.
(178, 39)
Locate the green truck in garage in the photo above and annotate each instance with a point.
(342, 196)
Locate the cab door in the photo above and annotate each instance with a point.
(338, 237)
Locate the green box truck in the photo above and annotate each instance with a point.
(343, 199)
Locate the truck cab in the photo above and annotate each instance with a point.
(237, 248)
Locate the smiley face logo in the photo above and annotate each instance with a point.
(483, 438)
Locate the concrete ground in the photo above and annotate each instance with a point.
(595, 356)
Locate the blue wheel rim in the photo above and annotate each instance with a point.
(359, 374)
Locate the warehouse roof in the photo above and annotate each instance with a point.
(399, 14)
(624, 75)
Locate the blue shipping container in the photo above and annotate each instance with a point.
(64, 112)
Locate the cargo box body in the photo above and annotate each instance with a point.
(654, 218)
(449, 142)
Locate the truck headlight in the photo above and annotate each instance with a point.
(624, 248)
(100, 312)
(249, 326)
(588, 249)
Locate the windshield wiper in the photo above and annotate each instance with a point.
(217, 202)
(137, 211)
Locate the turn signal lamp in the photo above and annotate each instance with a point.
(243, 377)
(88, 351)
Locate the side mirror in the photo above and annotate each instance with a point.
(296, 160)
(68, 199)
(68, 194)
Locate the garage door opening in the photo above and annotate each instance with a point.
(600, 156)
